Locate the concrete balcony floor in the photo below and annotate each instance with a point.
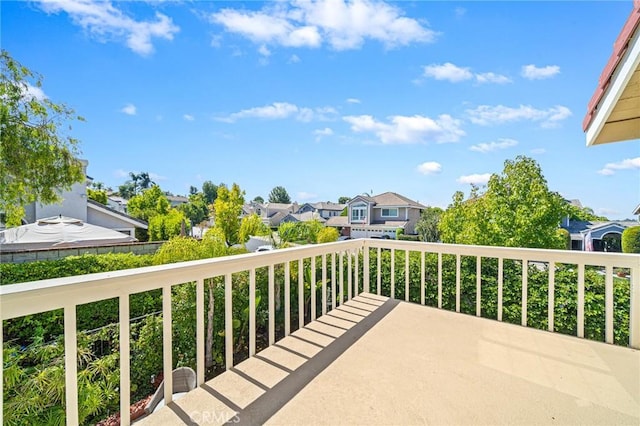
(375, 360)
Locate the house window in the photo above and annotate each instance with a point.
(389, 212)
(358, 213)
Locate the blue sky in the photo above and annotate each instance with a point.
(332, 98)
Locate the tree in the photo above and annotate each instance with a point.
(427, 226)
(148, 204)
(196, 210)
(227, 208)
(252, 225)
(99, 195)
(279, 195)
(328, 235)
(162, 227)
(210, 191)
(582, 213)
(516, 210)
(343, 200)
(258, 199)
(37, 159)
(631, 240)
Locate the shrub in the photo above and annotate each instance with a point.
(162, 227)
(408, 237)
(328, 235)
(564, 235)
(631, 240)
(399, 232)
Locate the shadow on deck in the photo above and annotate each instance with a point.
(376, 360)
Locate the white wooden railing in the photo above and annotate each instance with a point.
(67, 293)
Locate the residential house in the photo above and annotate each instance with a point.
(378, 216)
(324, 210)
(270, 213)
(596, 235)
(177, 200)
(303, 217)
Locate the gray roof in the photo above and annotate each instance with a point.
(141, 223)
(389, 199)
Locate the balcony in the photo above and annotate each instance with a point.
(382, 344)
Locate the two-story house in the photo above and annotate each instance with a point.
(378, 216)
(323, 210)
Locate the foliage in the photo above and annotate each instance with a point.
(345, 212)
(149, 203)
(162, 227)
(98, 195)
(403, 237)
(196, 210)
(566, 237)
(343, 200)
(328, 234)
(582, 213)
(37, 158)
(259, 200)
(516, 210)
(631, 240)
(303, 232)
(279, 195)
(137, 183)
(399, 231)
(227, 209)
(427, 226)
(210, 191)
(252, 225)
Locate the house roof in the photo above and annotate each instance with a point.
(613, 113)
(304, 217)
(338, 221)
(329, 206)
(637, 210)
(394, 199)
(138, 223)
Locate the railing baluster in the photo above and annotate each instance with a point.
(356, 287)
(1, 365)
(608, 303)
(71, 364)
(300, 293)
(478, 286)
(349, 275)
(333, 281)
(552, 303)
(365, 269)
(324, 283)
(313, 288)
(406, 275)
(393, 273)
(167, 344)
(252, 312)
(439, 280)
(287, 298)
(228, 321)
(500, 285)
(200, 339)
(272, 307)
(581, 300)
(634, 314)
(125, 361)
(458, 283)
(525, 280)
(379, 273)
(341, 277)
(422, 278)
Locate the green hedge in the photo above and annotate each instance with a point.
(408, 237)
(631, 240)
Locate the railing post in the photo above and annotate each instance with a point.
(71, 365)
(365, 268)
(356, 273)
(458, 282)
(580, 313)
(228, 321)
(406, 275)
(272, 307)
(287, 298)
(200, 338)
(125, 366)
(312, 287)
(167, 344)
(608, 303)
(525, 280)
(349, 276)
(341, 277)
(252, 312)
(1, 365)
(334, 299)
(478, 286)
(300, 293)
(551, 296)
(393, 273)
(500, 285)
(634, 314)
(422, 277)
(379, 273)
(324, 283)
(439, 280)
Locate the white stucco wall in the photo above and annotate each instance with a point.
(74, 202)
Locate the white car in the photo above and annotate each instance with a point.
(267, 247)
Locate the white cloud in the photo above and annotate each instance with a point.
(448, 71)
(104, 21)
(494, 145)
(156, 177)
(538, 151)
(120, 173)
(629, 163)
(282, 110)
(303, 196)
(460, 11)
(531, 72)
(409, 129)
(31, 92)
(188, 117)
(320, 133)
(264, 51)
(341, 24)
(489, 77)
(353, 100)
(456, 74)
(129, 109)
(294, 59)
(429, 168)
(607, 212)
(475, 179)
(486, 115)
